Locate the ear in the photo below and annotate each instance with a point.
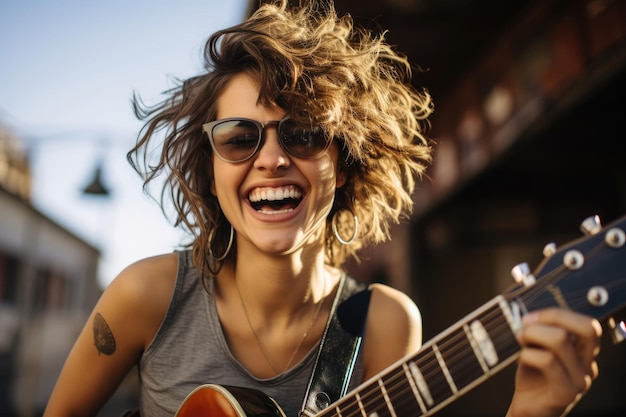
(213, 190)
(341, 176)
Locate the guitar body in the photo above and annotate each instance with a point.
(211, 400)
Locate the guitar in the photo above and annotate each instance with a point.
(587, 275)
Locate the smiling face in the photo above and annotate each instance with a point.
(276, 202)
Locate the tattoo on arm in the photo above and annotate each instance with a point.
(102, 336)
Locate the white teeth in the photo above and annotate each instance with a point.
(275, 211)
(275, 194)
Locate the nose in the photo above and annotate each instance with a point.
(271, 156)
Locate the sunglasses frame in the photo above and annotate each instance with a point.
(208, 129)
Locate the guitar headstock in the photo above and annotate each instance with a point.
(587, 275)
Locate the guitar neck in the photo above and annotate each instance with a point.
(445, 368)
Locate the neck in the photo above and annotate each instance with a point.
(280, 286)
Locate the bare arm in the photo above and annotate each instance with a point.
(119, 328)
(394, 329)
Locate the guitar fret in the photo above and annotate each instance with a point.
(475, 348)
(373, 404)
(397, 391)
(360, 404)
(386, 397)
(421, 384)
(348, 406)
(444, 368)
(463, 365)
(416, 393)
(434, 378)
(505, 342)
(517, 310)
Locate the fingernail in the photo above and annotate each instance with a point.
(531, 317)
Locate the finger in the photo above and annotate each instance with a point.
(585, 330)
(562, 388)
(551, 348)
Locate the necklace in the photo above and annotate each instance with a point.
(304, 336)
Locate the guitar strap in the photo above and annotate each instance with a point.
(339, 347)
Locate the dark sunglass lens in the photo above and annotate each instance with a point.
(301, 142)
(236, 140)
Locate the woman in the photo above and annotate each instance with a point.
(298, 145)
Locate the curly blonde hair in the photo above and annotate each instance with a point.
(348, 80)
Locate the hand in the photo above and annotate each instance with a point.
(557, 362)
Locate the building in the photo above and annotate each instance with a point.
(48, 286)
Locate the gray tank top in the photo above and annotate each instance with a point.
(190, 350)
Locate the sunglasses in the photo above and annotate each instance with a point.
(238, 139)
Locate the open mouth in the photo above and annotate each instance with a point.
(275, 200)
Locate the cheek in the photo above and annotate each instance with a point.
(228, 179)
(225, 176)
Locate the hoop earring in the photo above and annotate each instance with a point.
(354, 233)
(230, 244)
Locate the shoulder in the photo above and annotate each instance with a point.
(137, 299)
(152, 278)
(150, 270)
(388, 297)
(393, 311)
(394, 328)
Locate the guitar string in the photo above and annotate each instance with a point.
(399, 390)
(576, 300)
(392, 387)
(457, 354)
(304, 336)
(561, 272)
(429, 364)
(494, 314)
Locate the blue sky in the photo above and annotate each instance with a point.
(68, 70)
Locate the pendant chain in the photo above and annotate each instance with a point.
(304, 336)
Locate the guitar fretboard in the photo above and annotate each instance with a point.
(467, 353)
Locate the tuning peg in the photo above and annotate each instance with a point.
(618, 330)
(549, 249)
(521, 274)
(615, 238)
(591, 225)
